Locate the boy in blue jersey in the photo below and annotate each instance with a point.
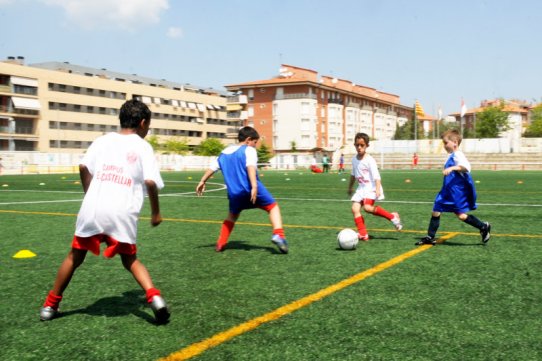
(238, 164)
(457, 194)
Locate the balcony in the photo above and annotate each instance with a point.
(13, 110)
(237, 99)
(295, 96)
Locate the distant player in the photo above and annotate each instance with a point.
(341, 164)
(457, 194)
(238, 164)
(116, 171)
(415, 159)
(325, 163)
(365, 173)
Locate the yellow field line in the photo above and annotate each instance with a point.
(267, 224)
(39, 213)
(219, 338)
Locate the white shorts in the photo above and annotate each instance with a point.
(362, 194)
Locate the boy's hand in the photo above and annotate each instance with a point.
(349, 191)
(200, 188)
(253, 194)
(156, 219)
(448, 170)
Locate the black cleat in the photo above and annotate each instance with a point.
(160, 310)
(484, 232)
(426, 240)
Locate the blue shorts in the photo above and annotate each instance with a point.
(241, 201)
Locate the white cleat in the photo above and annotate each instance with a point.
(47, 313)
(396, 220)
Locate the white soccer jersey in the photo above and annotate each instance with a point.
(461, 160)
(366, 173)
(119, 164)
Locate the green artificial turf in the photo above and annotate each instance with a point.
(458, 300)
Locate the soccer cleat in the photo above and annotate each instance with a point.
(396, 220)
(280, 243)
(47, 313)
(364, 237)
(426, 240)
(484, 232)
(160, 309)
(220, 247)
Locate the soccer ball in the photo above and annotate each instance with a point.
(348, 239)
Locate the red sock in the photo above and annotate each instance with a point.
(52, 300)
(280, 232)
(360, 224)
(151, 292)
(225, 231)
(381, 212)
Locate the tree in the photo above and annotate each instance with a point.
(209, 147)
(264, 154)
(491, 122)
(534, 130)
(172, 145)
(406, 131)
(153, 141)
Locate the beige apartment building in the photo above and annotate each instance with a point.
(61, 107)
(300, 111)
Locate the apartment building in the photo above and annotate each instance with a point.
(298, 110)
(518, 119)
(61, 107)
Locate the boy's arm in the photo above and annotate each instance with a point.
(85, 176)
(378, 185)
(458, 168)
(200, 188)
(152, 192)
(251, 170)
(351, 184)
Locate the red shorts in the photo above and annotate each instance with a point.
(92, 244)
(368, 201)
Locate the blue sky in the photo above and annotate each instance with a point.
(435, 51)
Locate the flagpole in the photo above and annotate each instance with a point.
(415, 128)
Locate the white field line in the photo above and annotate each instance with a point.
(223, 187)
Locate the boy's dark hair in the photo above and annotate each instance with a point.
(132, 113)
(363, 136)
(247, 132)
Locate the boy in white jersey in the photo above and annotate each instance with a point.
(365, 173)
(116, 172)
(238, 164)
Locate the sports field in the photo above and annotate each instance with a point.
(387, 300)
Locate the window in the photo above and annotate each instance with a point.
(305, 108)
(305, 124)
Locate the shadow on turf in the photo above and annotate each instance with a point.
(456, 244)
(130, 303)
(244, 246)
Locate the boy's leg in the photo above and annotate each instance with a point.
(143, 278)
(484, 227)
(434, 224)
(359, 221)
(278, 237)
(64, 275)
(225, 231)
(368, 206)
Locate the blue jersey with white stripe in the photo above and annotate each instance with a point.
(234, 169)
(457, 194)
